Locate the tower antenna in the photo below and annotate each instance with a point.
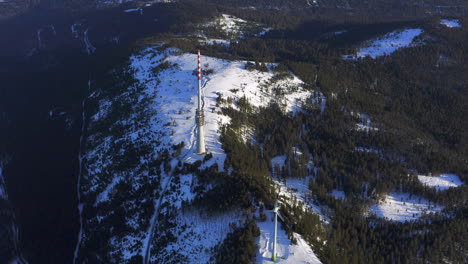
(200, 118)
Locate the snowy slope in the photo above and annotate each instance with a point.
(442, 182)
(403, 207)
(173, 88)
(301, 253)
(387, 44)
(140, 138)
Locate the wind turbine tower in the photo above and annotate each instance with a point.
(275, 235)
(199, 114)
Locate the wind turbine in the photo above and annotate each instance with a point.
(277, 214)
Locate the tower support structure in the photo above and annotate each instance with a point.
(199, 116)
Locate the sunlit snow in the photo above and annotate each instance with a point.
(442, 182)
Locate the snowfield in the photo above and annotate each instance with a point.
(401, 207)
(442, 182)
(285, 251)
(387, 44)
(450, 23)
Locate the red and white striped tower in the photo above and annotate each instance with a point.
(199, 115)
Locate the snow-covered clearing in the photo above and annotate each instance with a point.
(387, 44)
(442, 182)
(403, 207)
(450, 23)
(230, 24)
(232, 29)
(301, 253)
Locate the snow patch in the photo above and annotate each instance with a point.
(134, 10)
(450, 23)
(368, 150)
(401, 207)
(442, 182)
(365, 123)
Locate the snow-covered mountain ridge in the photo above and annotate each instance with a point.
(140, 137)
